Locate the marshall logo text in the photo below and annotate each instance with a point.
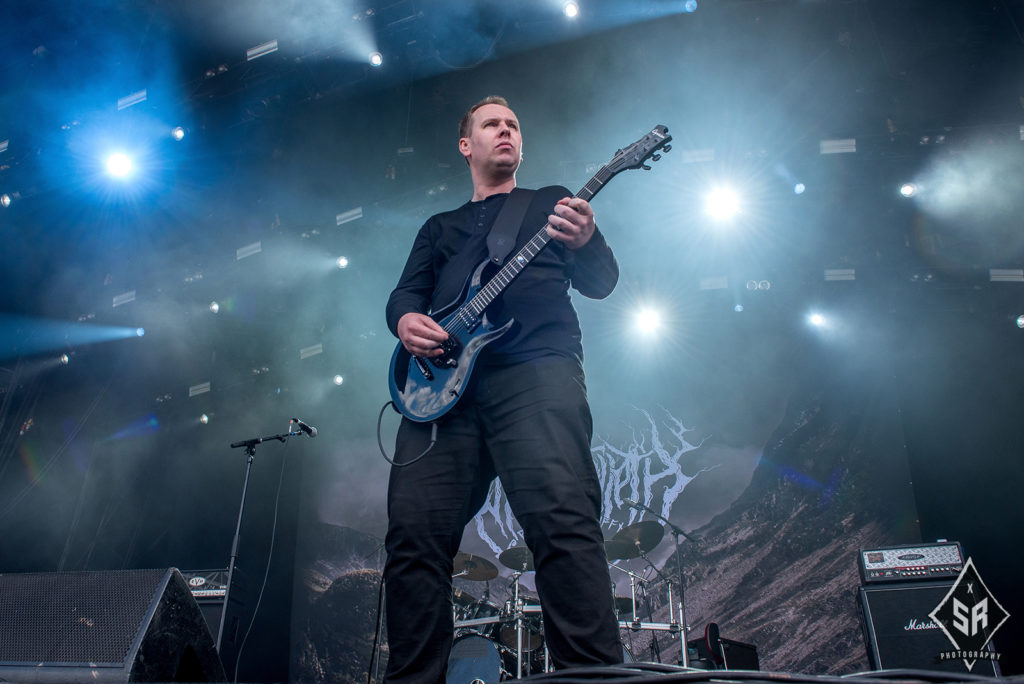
(914, 625)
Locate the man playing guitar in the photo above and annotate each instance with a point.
(525, 419)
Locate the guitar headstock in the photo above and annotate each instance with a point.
(635, 156)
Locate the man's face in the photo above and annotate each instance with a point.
(494, 144)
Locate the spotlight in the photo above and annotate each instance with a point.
(178, 133)
(64, 359)
(204, 419)
(119, 165)
(5, 200)
(817, 320)
(376, 59)
(722, 204)
(571, 9)
(908, 189)
(1020, 321)
(799, 188)
(690, 6)
(338, 380)
(140, 332)
(738, 308)
(342, 262)
(214, 307)
(648, 321)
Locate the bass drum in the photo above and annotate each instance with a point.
(474, 660)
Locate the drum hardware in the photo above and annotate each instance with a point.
(677, 532)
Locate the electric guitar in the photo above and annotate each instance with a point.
(424, 389)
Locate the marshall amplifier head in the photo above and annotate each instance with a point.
(941, 560)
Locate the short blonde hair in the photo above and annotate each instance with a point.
(467, 119)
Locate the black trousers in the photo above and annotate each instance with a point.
(531, 426)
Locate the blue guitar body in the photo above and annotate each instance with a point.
(425, 389)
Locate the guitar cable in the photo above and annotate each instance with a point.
(380, 442)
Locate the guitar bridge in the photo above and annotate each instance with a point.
(424, 368)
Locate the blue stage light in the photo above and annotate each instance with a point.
(119, 165)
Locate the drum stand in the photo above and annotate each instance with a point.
(516, 609)
(672, 626)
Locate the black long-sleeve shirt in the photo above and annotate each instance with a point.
(450, 245)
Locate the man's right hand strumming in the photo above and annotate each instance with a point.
(421, 335)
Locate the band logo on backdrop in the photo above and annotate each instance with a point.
(651, 465)
(969, 615)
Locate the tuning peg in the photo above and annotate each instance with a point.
(645, 167)
(655, 157)
(667, 148)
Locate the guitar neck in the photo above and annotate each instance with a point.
(514, 266)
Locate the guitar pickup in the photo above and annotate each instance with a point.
(450, 358)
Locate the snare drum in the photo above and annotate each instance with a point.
(474, 659)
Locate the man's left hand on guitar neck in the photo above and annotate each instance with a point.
(572, 222)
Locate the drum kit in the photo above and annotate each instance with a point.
(494, 643)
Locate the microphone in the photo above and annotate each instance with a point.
(308, 429)
(634, 504)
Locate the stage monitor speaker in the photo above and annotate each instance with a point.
(116, 626)
(900, 635)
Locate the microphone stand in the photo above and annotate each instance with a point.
(676, 533)
(250, 450)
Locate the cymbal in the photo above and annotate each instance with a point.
(643, 536)
(476, 568)
(517, 558)
(615, 549)
(623, 605)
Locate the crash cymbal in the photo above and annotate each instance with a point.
(643, 536)
(615, 549)
(476, 568)
(517, 558)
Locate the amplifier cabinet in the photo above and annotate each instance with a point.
(899, 633)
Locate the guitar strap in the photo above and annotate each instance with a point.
(502, 237)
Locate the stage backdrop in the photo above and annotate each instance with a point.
(780, 461)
